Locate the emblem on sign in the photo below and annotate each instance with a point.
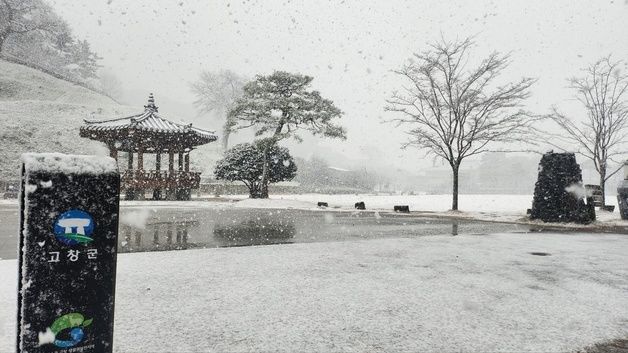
(74, 227)
(66, 331)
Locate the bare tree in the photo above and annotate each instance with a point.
(603, 134)
(454, 111)
(109, 83)
(217, 92)
(24, 16)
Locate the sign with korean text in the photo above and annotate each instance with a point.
(67, 259)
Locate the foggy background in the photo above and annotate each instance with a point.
(350, 48)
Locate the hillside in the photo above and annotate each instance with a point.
(40, 113)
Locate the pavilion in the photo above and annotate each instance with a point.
(151, 133)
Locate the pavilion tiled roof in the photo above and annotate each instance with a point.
(149, 120)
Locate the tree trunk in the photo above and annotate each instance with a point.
(225, 136)
(265, 170)
(603, 187)
(454, 202)
(3, 39)
(254, 191)
(264, 192)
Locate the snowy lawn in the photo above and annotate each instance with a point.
(508, 204)
(439, 293)
(496, 208)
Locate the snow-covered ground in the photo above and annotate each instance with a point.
(436, 294)
(509, 204)
(500, 208)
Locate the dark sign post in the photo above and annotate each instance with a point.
(67, 253)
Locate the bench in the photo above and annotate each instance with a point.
(402, 208)
(595, 191)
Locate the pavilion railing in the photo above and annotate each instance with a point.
(160, 179)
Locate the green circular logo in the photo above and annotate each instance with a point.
(74, 322)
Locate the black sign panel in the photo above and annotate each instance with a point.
(67, 261)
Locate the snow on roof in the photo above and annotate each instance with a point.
(68, 163)
(148, 120)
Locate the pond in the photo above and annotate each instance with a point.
(165, 228)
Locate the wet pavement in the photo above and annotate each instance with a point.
(165, 228)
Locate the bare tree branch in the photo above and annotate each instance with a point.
(603, 132)
(455, 112)
(217, 92)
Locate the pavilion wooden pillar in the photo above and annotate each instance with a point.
(130, 160)
(180, 161)
(140, 191)
(113, 152)
(130, 192)
(157, 191)
(187, 162)
(140, 160)
(171, 191)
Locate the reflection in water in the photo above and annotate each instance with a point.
(175, 229)
(259, 231)
(133, 239)
(454, 227)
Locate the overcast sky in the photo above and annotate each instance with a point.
(348, 46)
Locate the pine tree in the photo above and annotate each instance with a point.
(245, 163)
(279, 106)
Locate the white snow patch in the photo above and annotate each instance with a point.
(577, 190)
(46, 337)
(46, 184)
(26, 284)
(136, 219)
(275, 202)
(30, 188)
(68, 163)
(338, 169)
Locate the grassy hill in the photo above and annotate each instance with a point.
(40, 113)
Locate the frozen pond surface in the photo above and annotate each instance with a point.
(165, 228)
